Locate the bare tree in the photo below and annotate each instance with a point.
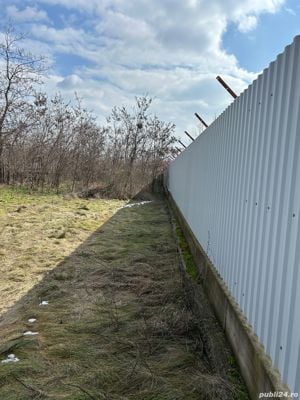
(20, 71)
(47, 142)
(140, 144)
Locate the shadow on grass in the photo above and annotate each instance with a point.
(116, 325)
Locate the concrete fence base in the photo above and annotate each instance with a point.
(256, 367)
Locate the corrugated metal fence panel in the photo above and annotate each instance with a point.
(238, 186)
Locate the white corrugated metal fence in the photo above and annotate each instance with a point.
(238, 187)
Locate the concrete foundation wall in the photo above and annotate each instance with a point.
(256, 367)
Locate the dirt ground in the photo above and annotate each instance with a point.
(111, 318)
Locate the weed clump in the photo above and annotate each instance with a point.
(191, 267)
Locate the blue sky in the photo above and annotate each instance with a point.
(109, 51)
(257, 48)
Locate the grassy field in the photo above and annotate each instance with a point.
(115, 325)
(37, 232)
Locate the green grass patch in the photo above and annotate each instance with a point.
(191, 267)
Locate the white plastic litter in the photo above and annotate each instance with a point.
(44, 303)
(141, 203)
(30, 333)
(10, 358)
(31, 320)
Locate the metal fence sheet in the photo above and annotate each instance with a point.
(238, 186)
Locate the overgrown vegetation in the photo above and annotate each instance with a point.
(48, 142)
(190, 265)
(117, 325)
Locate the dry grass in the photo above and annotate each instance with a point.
(117, 325)
(37, 232)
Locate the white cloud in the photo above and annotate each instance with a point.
(27, 14)
(290, 11)
(72, 82)
(170, 49)
(68, 40)
(128, 28)
(247, 23)
(87, 6)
